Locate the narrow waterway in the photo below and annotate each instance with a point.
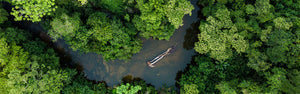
(165, 71)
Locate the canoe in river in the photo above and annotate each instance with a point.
(159, 57)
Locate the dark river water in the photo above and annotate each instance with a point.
(164, 72)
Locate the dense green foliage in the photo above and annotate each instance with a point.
(246, 46)
(64, 26)
(106, 37)
(27, 66)
(190, 89)
(83, 2)
(102, 28)
(3, 15)
(255, 45)
(160, 18)
(206, 73)
(219, 36)
(257, 33)
(32, 10)
(124, 89)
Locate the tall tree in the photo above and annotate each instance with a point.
(64, 26)
(219, 36)
(158, 18)
(127, 89)
(107, 37)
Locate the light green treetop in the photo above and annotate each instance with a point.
(11, 57)
(128, 89)
(35, 80)
(225, 88)
(219, 36)
(83, 2)
(32, 10)
(189, 89)
(64, 25)
(282, 23)
(176, 9)
(264, 10)
(160, 18)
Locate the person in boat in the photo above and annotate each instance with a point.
(159, 57)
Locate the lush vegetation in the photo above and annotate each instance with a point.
(28, 65)
(244, 46)
(252, 47)
(112, 29)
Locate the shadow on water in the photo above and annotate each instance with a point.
(95, 68)
(191, 36)
(179, 73)
(189, 41)
(131, 79)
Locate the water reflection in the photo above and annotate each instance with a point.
(131, 79)
(165, 71)
(191, 36)
(179, 73)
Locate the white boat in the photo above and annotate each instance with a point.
(159, 57)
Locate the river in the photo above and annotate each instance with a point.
(164, 72)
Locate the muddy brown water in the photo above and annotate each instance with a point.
(164, 72)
